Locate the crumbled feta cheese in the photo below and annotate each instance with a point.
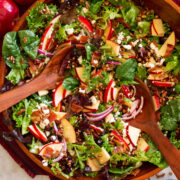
(120, 56)
(43, 92)
(46, 122)
(139, 64)
(93, 21)
(80, 59)
(85, 10)
(124, 130)
(140, 45)
(116, 116)
(161, 62)
(109, 118)
(45, 111)
(95, 61)
(45, 162)
(128, 47)
(82, 90)
(70, 31)
(120, 37)
(43, 105)
(42, 125)
(135, 42)
(153, 47)
(47, 133)
(53, 137)
(128, 37)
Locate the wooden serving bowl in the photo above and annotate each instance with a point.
(169, 12)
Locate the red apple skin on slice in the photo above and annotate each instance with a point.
(107, 94)
(156, 70)
(68, 131)
(156, 102)
(158, 27)
(133, 134)
(55, 146)
(165, 48)
(58, 94)
(33, 131)
(96, 128)
(108, 33)
(163, 84)
(40, 133)
(142, 145)
(79, 72)
(98, 73)
(153, 31)
(86, 24)
(48, 32)
(114, 93)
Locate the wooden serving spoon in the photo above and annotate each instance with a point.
(147, 121)
(47, 79)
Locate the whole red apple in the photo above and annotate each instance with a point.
(24, 2)
(8, 12)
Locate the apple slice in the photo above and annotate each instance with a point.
(152, 30)
(48, 33)
(59, 107)
(103, 156)
(157, 77)
(68, 131)
(58, 94)
(126, 91)
(156, 102)
(115, 48)
(54, 146)
(133, 134)
(108, 33)
(158, 27)
(93, 164)
(156, 70)
(40, 133)
(95, 105)
(107, 94)
(163, 84)
(86, 24)
(142, 145)
(114, 92)
(96, 128)
(79, 72)
(57, 115)
(66, 93)
(164, 50)
(33, 131)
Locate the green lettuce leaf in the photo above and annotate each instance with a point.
(70, 83)
(29, 42)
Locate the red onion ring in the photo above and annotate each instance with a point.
(135, 112)
(134, 91)
(62, 151)
(44, 53)
(100, 117)
(114, 62)
(55, 127)
(99, 114)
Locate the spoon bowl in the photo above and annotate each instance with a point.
(147, 121)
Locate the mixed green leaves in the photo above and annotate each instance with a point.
(170, 115)
(173, 62)
(40, 16)
(126, 71)
(16, 48)
(29, 42)
(70, 83)
(154, 155)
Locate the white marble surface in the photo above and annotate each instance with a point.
(10, 170)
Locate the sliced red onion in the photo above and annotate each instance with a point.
(133, 108)
(45, 53)
(99, 114)
(113, 62)
(62, 151)
(135, 113)
(100, 117)
(134, 90)
(55, 127)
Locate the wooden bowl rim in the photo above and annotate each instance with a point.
(18, 26)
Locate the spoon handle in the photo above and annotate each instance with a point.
(168, 150)
(11, 97)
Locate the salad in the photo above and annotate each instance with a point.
(81, 127)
